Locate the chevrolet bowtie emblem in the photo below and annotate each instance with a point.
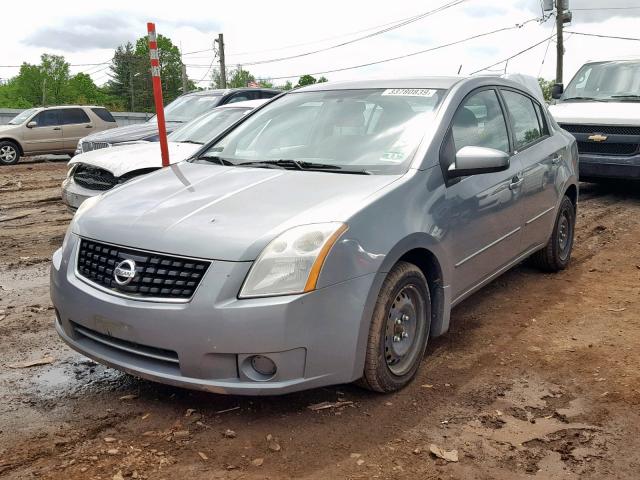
(597, 137)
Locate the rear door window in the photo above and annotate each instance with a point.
(71, 116)
(104, 115)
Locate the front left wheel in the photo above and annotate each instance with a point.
(9, 153)
(399, 330)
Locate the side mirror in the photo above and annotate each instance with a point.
(556, 90)
(32, 124)
(476, 160)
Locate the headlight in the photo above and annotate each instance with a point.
(72, 169)
(79, 146)
(291, 263)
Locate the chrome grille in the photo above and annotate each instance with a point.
(89, 146)
(607, 148)
(156, 275)
(603, 129)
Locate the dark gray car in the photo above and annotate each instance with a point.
(323, 240)
(182, 110)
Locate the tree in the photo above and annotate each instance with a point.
(545, 86)
(55, 73)
(306, 80)
(170, 70)
(240, 78)
(287, 86)
(126, 76)
(322, 79)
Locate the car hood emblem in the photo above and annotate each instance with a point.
(596, 137)
(124, 272)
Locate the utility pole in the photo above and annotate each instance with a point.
(131, 86)
(223, 71)
(185, 80)
(559, 39)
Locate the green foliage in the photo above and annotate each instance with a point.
(170, 72)
(546, 85)
(287, 86)
(306, 80)
(322, 79)
(239, 78)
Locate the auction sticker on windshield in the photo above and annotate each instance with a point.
(409, 92)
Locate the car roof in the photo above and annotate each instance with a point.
(225, 91)
(406, 82)
(621, 58)
(70, 106)
(244, 104)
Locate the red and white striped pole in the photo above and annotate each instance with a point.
(157, 92)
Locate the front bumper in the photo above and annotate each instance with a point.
(604, 166)
(73, 194)
(314, 339)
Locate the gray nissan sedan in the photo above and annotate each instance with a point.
(322, 240)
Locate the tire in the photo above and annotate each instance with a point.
(556, 254)
(399, 330)
(9, 153)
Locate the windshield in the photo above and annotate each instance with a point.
(206, 127)
(185, 109)
(21, 117)
(372, 130)
(608, 81)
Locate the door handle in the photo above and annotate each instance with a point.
(88, 126)
(557, 158)
(515, 183)
(57, 128)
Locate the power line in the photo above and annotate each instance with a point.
(364, 37)
(604, 36)
(513, 56)
(303, 44)
(71, 64)
(604, 8)
(431, 49)
(546, 50)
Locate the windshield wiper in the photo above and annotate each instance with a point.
(589, 99)
(303, 165)
(191, 141)
(630, 96)
(215, 159)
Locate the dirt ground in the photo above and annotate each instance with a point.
(537, 379)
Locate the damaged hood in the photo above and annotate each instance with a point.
(220, 213)
(127, 158)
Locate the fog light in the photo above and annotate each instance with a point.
(263, 365)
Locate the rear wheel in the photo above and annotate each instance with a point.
(9, 153)
(399, 330)
(555, 256)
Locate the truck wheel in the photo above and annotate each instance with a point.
(9, 153)
(556, 254)
(399, 330)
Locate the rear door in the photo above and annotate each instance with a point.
(75, 125)
(540, 155)
(46, 135)
(484, 209)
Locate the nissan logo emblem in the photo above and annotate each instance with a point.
(124, 272)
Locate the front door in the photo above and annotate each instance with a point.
(46, 135)
(484, 211)
(75, 125)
